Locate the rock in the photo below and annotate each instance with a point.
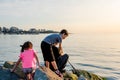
(18, 71)
(81, 77)
(40, 75)
(88, 75)
(5, 74)
(70, 76)
(45, 74)
(8, 64)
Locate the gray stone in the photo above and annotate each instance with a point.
(46, 74)
(5, 74)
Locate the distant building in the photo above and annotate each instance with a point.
(14, 30)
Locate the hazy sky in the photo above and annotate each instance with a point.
(74, 15)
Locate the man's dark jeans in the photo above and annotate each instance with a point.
(61, 60)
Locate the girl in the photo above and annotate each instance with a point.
(28, 57)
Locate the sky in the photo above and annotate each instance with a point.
(77, 16)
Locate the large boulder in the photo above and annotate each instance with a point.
(87, 75)
(46, 74)
(18, 70)
(70, 76)
(5, 74)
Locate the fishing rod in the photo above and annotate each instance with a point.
(75, 70)
(72, 65)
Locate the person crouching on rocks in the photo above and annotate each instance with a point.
(48, 52)
(29, 58)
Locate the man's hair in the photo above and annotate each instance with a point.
(64, 31)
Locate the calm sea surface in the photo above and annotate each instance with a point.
(96, 53)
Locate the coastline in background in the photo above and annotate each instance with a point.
(15, 30)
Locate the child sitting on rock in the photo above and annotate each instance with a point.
(28, 57)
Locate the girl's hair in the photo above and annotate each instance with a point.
(26, 45)
(64, 31)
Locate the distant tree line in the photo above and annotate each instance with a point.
(15, 30)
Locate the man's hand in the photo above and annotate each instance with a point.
(58, 73)
(61, 52)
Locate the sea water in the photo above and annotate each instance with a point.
(96, 53)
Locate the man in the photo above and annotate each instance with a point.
(48, 52)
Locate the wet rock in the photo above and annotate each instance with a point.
(70, 76)
(46, 74)
(18, 71)
(5, 74)
(87, 75)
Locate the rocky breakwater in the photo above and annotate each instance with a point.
(45, 74)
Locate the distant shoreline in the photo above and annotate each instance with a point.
(15, 30)
(27, 33)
